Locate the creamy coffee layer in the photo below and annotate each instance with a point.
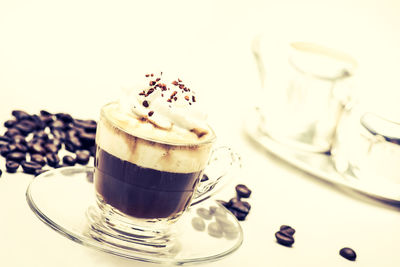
(120, 134)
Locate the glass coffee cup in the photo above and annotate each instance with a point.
(144, 185)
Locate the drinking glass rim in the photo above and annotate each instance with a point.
(204, 142)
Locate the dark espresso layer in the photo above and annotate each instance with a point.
(142, 192)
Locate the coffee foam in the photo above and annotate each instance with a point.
(119, 134)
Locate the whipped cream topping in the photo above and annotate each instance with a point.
(166, 104)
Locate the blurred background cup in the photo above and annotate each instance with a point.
(305, 89)
(367, 146)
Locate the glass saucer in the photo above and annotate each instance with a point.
(64, 199)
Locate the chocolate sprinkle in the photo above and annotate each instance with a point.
(145, 104)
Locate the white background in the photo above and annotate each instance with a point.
(73, 56)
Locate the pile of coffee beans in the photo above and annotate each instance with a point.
(236, 205)
(33, 141)
(285, 235)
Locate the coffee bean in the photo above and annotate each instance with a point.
(348, 253)
(39, 171)
(241, 206)
(58, 134)
(11, 132)
(82, 157)
(284, 239)
(87, 139)
(75, 142)
(16, 156)
(45, 113)
(20, 114)
(51, 148)
(204, 213)
(198, 224)
(72, 133)
(30, 166)
(214, 229)
(17, 147)
(89, 126)
(11, 166)
(287, 229)
(3, 143)
(38, 158)
(70, 147)
(10, 123)
(69, 160)
(47, 120)
(64, 117)
(4, 151)
(57, 124)
(232, 201)
(223, 203)
(241, 216)
(41, 135)
(39, 123)
(243, 191)
(5, 138)
(55, 142)
(19, 139)
(37, 148)
(52, 159)
(25, 127)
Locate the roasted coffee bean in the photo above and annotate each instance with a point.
(3, 143)
(66, 118)
(62, 165)
(241, 216)
(51, 148)
(17, 147)
(5, 138)
(41, 135)
(10, 123)
(25, 127)
(348, 253)
(241, 206)
(39, 159)
(39, 171)
(58, 134)
(46, 119)
(243, 191)
(30, 166)
(284, 239)
(52, 159)
(37, 148)
(16, 156)
(20, 114)
(87, 139)
(57, 124)
(70, 147)
(19, 139)
(11, 166)
(223, 203)
(39, 123)
(82, 157)
(45, 113)
(55, 142)
(12, 132)
(89, 126)
(75, 142)
(72, 133)
(287, 229)
(4, 151)
(69, 160)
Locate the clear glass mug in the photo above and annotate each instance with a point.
(144, 186)
(305, 90)
(367, 146)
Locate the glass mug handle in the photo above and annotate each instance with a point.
(222, 162)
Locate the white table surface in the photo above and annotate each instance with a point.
(72, 56)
